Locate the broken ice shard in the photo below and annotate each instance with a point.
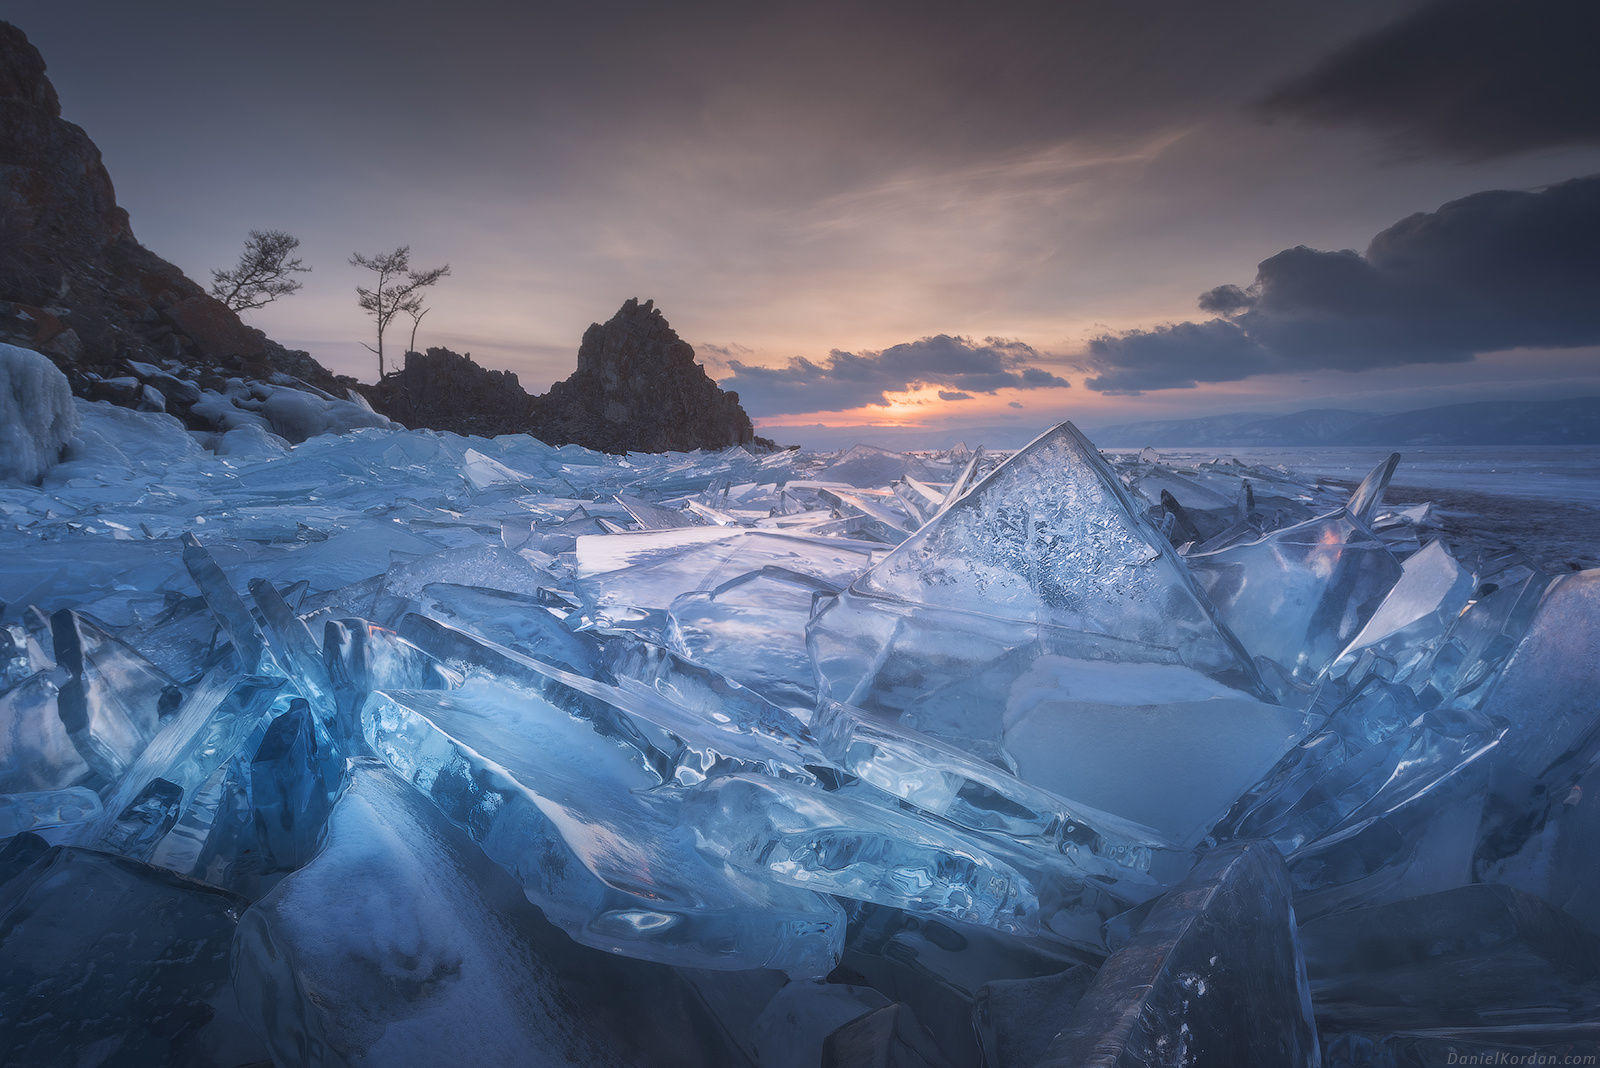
(1299, 595)
(294, 777)
(481, 566)
(1334, 771)
(291, 642)
(519, 622)
(467, 655)
(945, 781)
(112, 699)
(653, 568)
(1051, 536)
(1158, 744)
(401, 944)
(752, 628)
(702, 746)
(1478, 956)
(1017, 1018)
(654, 516)
(707, 710)
(1068, 713)
(231, 613)
(569, 812)
(35, 751)
(48, 813)
(213, 722)
(840, 844)
(868, 466)
(1430, 594)
(1549, 686)
(1367, 497)
(359, 657)
(1214, 975)
(1467, 660)
(109, 961)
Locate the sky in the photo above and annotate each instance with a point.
(896, 219)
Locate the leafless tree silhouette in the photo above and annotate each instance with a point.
(263, 273)
(398, 289)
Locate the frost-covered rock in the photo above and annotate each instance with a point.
(113, 441)
(297, 415)
(250, 442)
(37, 416)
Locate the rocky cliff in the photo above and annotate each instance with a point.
(638, 387)
(128, 327)
(74, 282)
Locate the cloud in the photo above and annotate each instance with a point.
(1468, 78)
(847, 380)
(1016, 404)
(715, 358)
(1489, 272)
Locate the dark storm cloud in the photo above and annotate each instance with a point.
(1471, 78)
(847, 380)
(1488, 272)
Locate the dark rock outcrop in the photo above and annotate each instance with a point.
(444, 390)
(74, 282)
(639, 388)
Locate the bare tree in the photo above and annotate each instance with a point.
(263, 273)
(416, 314)
(398, 290)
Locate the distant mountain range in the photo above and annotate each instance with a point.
(1558, 422)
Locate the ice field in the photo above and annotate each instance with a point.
(398, 746)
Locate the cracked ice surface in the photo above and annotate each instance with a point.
(418, 746)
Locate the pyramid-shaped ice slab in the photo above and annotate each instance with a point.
(1051, 536)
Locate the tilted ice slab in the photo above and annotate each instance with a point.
(947, 782)
(1042, 624)
(572, 816)
(1298, 596)
(400, 944)
(1549, 685)
(1052, 537)
(753, 628)
(849, 846)
(1431, 593)
(1157, 744)
(652, 569)
(1214, 975)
